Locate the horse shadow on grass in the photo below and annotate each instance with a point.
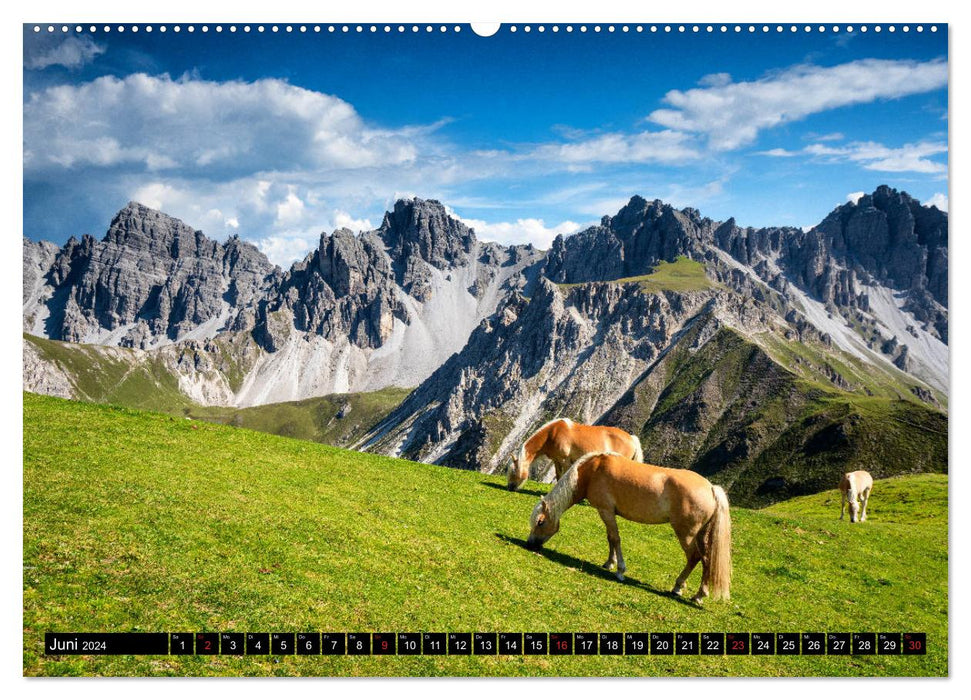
(598, 571)
(526, 492)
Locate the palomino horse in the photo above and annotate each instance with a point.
(855, 486)
(644, 493)
(564, 441)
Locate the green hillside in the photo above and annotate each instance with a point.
(680, 275)
(733, 411)
(335, 419)
(143, 380)
(144, 522)
(114, 375)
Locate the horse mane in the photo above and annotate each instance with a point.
(560, 497)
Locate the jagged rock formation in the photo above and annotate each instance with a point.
(151, 280)
(870, 271)
(361, 312)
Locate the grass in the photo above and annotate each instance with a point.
(143, 522)
(681, 275)
(335, 419)
(731, 411)
(141, 380)
(115, 375)
(920, 499)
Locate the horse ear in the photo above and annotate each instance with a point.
(546, 507)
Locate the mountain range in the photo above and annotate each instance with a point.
(771, 359)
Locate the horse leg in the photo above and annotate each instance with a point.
(611, 556)
(701, 545)
(854, 506)
(866, 499)
(692, 554)
(613, 540)
(842, 504)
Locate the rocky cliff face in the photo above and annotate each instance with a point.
(361, 312)
(872, 275)
(149, 281)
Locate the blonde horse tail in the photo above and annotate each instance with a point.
(719, 549)
(638, 450)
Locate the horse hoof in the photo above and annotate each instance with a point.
(620, 577)
(697, 600)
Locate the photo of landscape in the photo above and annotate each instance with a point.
(299, 300)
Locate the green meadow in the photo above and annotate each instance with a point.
(137, 521)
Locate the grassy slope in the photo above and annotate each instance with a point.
(141, 380)
(137, 521)
(118, 375)
(732, 411)
(682, 275)
(311, 419)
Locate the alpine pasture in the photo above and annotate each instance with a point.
(137, 521)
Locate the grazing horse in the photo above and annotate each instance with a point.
(855, 486)
(564, 441)
(644, 493)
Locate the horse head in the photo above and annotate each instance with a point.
(543, 525)
(516, 474)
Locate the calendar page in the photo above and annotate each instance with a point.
(436, 349)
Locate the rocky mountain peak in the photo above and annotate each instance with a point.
(140, 227)
(893, 238)
(423, 228)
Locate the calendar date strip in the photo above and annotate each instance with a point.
(485, 643)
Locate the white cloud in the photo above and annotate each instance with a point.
(911, 157)
(533, 231)
(854, 197)
(290, 210)
(284, 250)
(211, 129)
(665, 146)
(732, 114)
(939, 200)
(715, 80)
(778, 153)
(344, 220)
(73, 53)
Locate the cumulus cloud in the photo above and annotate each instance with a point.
(73, 52)
(213, 129)
(939, 200)
(732, 114)
(533, 231)
(854, 197)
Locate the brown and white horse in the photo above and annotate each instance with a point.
(564, 441)
(644, 493)
(855, 486)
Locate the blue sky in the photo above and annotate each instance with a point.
(280, 136)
